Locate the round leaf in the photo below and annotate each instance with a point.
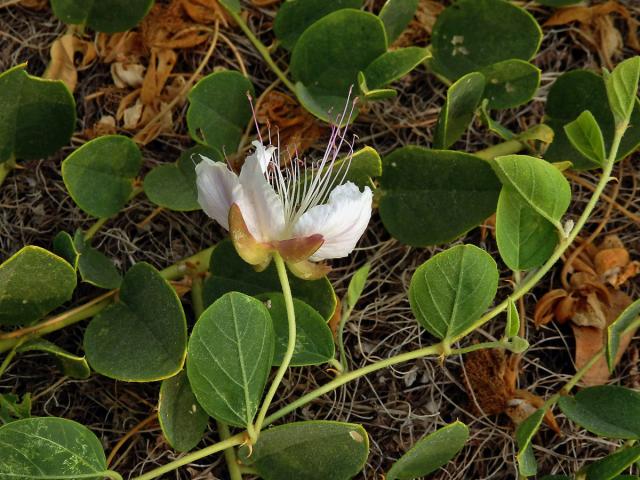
(49, 447)
(295, 16)
(393, 65)
(99, 175)
(314, 450)
(430, 197)
(72, 365)
(230, 356)
(143, 337)
(607, 410)
(37, 116)
(430, 453)
(452, 289)
(510, 83)
(586, 137)
(182, 419)
(314, 340)
(473, 34)
(32, 283)
(396, 15)
(230, 273)
(107, 16)
(219, 110)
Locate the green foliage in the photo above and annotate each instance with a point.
(295, 16)
(173, 185)
(450, 291)
(430, 452)
(219, 110)
(99, 175)
(396, 15)
(37, 116)
(586, 137)
(463, 97)
(94, 267)
(607, 410)
(107, 16)
(356, 285)
(527, 465)
(181, 417)
(314, 450)
(230, 273)
(393, 65)
(314, 340)
(12, 408)
(48, 447)
(611, 466)
(143, 336)
(230, 355)
(364, 165)
(570, 95)
(418, 185)
(510, 83)
(622, 90)
(32, 283)
(625, 322)
(71, 365)
(513, 319)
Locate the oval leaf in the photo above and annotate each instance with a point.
(606, 410)
(32, 283)
(107, 16)
(37, 116)
(622, 89)
(71, 365)
(527, 465)
(430, 197)
(396, 15)
(586, 137)
(510, 83)
(182, 419)
(99, 175)
(49, 448)
(392, 65)
(611, 466)
(230, 356)
(452, 289)
(315, 450)
(430, 453)
(143, 337)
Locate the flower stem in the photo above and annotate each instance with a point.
(291, 342)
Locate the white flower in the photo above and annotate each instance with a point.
(305, 217)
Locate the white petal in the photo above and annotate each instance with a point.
(262, 154)
(217, 188)
(341, 221)
(259, 203)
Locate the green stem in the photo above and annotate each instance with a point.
(6, 168)
(505, 148)
(262, 49)
(343, 354)
(9, 357)
(291, 342)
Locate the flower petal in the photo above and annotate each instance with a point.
(261, 207)
(262, 154)
(341, 221)
(217, 187)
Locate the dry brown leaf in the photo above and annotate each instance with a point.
(485, 382)
(524, 404)
(126, 47)
(63, 53)
(420, 28)
(161, 65)
(167, 26)
(34, 4)
(545, 308)
(105, 126)
(334, 321)
(127, 74)
(206, 12)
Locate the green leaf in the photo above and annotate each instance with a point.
(142, 337)
(50, 448)
(363, 166)
(314, 340)
(94, 267)
(356, 285)
(392, 65)
(611, 466)
(538, 183)
(107, 16)
(525, 238)
(430, 453)
(37, 116)
(570, 95)
(622, 89)
(219, 110)
(457, 113)
(625, 322)
(586, 137)
(374, 94)
(230, 355)
(452, 289)
(99, 175)
(173, 185)
(231, 5)
(527, 465)
(418, 185)
(396, 15)
(230, 273)
(513, 319)
(470, 35)
(330, 53)
(12, 408)
(314, 450)
(295, 16)
(182, 419)
(607, 410)
(510, 83)
(324, 105)
(72, 365)
(493, 125)
(32, 283)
